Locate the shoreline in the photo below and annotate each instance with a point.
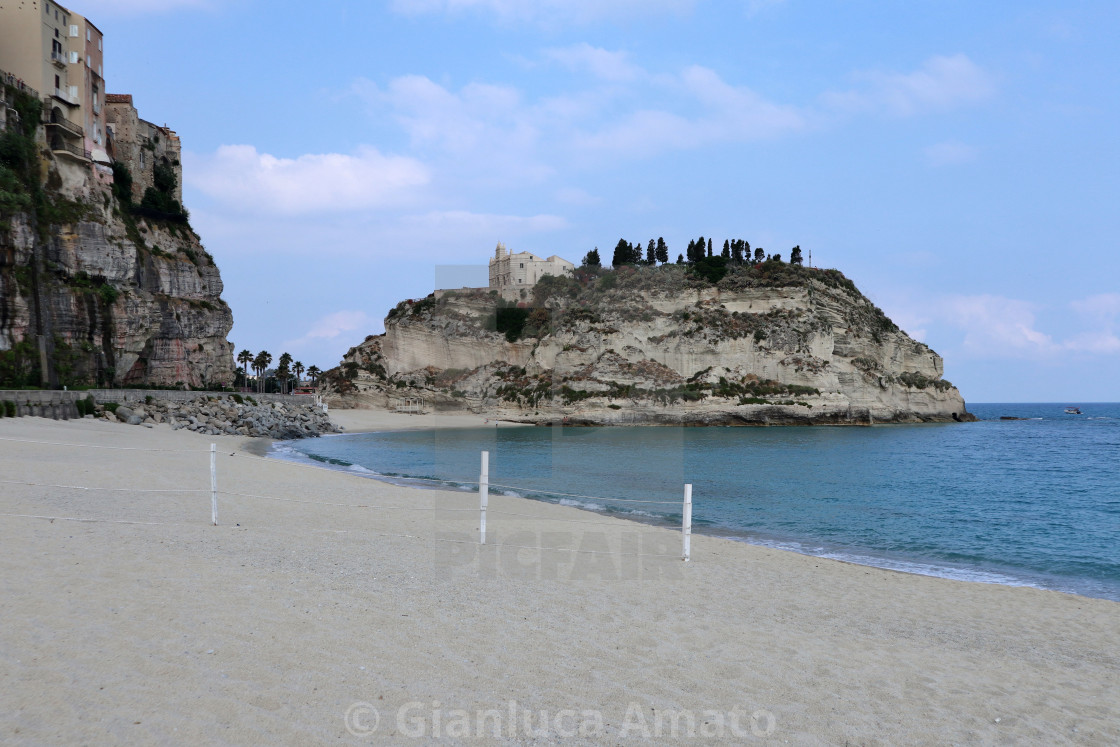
(260, 628)
(1009, 577)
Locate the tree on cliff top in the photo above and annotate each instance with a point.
(626, 253)
(591, 259)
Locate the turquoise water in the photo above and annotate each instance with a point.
(1025, 502)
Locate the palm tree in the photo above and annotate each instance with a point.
(298, 368)
(314, 372)
(261, 363)
(245, 358)
(283, 371)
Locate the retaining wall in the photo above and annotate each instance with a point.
(43, 403)
(177, 395)
(61, 405)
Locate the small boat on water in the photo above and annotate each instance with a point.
(1073, 411)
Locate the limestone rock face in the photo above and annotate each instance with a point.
(773, 344)
(114, 299)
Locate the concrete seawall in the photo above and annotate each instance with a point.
(60, 405)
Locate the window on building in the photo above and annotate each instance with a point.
(89, 61)
(57, 83)
(522, 265)
(99, 40)
(89, 36)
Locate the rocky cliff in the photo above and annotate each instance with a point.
(94, 289)
(772, 343)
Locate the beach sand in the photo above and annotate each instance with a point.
(293, 619)
(358, 421)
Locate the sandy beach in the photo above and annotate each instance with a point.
(329, 608)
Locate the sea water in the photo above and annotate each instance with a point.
(1033, 501)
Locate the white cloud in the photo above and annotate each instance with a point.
(331, 326)
(727, 114)
(950, 153)
(464, 226)
(490, 132)
(996, 326)
(1099, 342)
(1103, 311)
(1104, 307)
(499, 133)
(547, 11)
(610, 66)
(459, 122)
(942, 83)
(317, 182)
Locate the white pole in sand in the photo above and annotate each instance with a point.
(686, 521)
(214, 483)
(484, 494)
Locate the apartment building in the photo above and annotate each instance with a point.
(87, 72)
(41, 45)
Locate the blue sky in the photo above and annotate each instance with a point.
(957, 160)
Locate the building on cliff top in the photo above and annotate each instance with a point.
(521, 271)
(141, 145)
(46, 47)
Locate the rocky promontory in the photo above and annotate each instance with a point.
(770, 343)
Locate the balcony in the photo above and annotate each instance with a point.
(69, 149)
(65, 97)
(59, 58)
(67, 127)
